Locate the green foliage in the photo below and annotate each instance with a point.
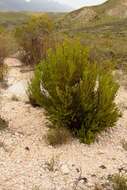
(33, 38)
(77, 93)
(58, 136)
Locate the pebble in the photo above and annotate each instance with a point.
(65, 169)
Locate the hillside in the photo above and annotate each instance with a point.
(111, 10)
(103, 28)
(12, 19)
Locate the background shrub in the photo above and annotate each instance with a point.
(34, 38)
(78, 94)
(4, 51)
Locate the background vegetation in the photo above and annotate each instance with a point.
(34, 38)
(4, 50)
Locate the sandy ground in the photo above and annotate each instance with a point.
(28, 163)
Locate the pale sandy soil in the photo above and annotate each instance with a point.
(25, 155)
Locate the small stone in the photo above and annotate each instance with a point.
(77, 169)
(93, 175)
(102, 167)
(121, 169)
(65, 169)
(84, 179)
(27, 148)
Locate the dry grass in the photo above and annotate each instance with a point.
(3, 71)
(50, 165)
(3, 124)
(124, 144)
(119, 182)
(58, 136)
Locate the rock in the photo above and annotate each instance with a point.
(121, 169)
(102, 167)
(27, 148)
(84, 179)
(65, 169)
(78, 170)
(93, 175)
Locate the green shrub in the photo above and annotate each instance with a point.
(5, 46)
(33, 38)
(58, 136)
(78, 94)
(5, 49)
